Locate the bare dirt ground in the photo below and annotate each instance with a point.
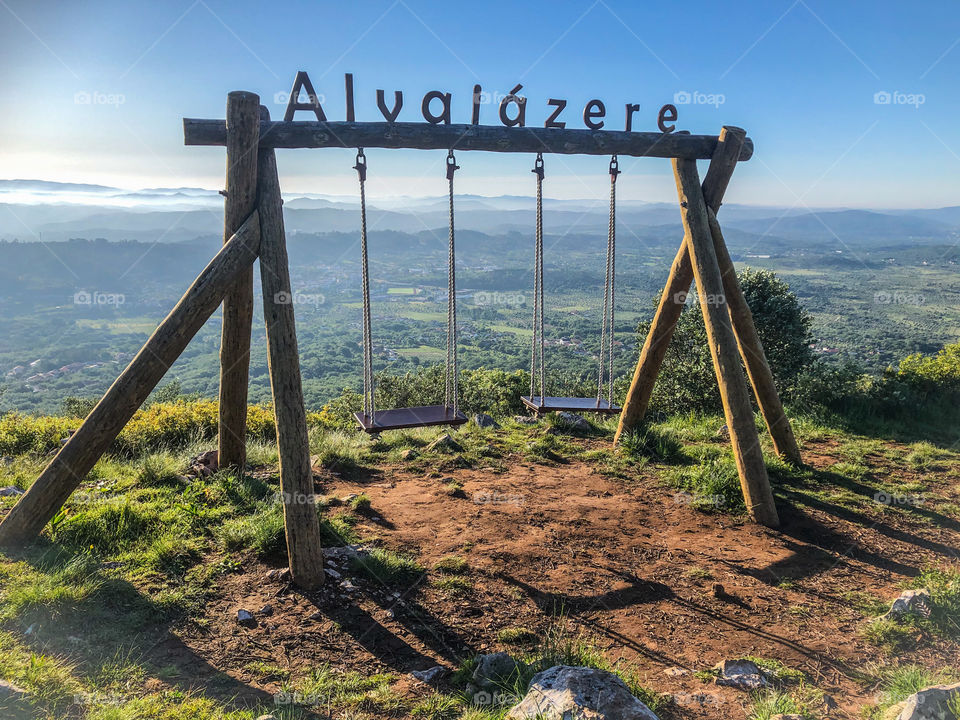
(628, 563)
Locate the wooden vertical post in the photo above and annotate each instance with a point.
(715, 183)
(243, 134)
(301, 524)
(93, 438)
(723, 347)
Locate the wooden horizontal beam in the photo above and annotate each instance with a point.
(489, 138)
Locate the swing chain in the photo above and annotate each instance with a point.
(451, 390)
(368, 380)
(606, 333)
(537, 341)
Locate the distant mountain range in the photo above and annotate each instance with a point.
(32, 210)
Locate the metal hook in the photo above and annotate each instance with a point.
(452, 166)
(538, 166)
(614, 168)
(361, 166)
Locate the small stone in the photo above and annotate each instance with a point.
(723, 433)
(245, 617)
(526, 419)
(10, 491)
(333, 573)
(741, 674)
(432, 675)
(445, 443)
(485, 421)
(317, 616)
(348, 586)
(788, 716)
(279, 575)
(266, 610)
(267, 717)
(718, 590)
(675, 672)
(409, 454)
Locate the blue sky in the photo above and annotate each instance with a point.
(799, 75)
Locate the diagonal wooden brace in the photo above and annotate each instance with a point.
(129, 391)
(671, 305)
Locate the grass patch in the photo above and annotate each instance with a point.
(388, 567)
(452, 565)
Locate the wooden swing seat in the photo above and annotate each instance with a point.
(411, 417)
(541, 405)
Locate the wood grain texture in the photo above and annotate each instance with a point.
(104, 423)
(491, 138)
(723, 347)
(721, 168)
(242, 131)
(300, 520)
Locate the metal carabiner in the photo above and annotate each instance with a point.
(361, 166)
(452, 166)
(538, 166)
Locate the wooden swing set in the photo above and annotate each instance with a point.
(253, 228)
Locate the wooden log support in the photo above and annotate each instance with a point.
(668, 313)
(104, 423)
(493, 138)
(723, 347)
(729, 149)
(751, 350)
(301, 523)
(242, 134)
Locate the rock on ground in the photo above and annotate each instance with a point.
(931, 703)
(572, 421)
(10, 491)
(579, 693)
(741, 674)
(494, 669)
(485, 421)
(431, 675)
(445, 443)
(910, 602)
